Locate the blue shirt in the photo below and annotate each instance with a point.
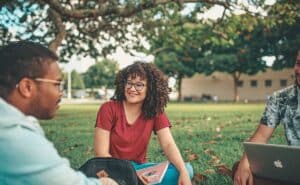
(283, 106)
(27, 157)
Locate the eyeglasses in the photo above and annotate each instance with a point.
(59, 84)
(138, 86)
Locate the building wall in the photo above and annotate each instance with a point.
(220, 85)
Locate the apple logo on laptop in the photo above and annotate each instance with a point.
(278, 164)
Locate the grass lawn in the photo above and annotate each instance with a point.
(208, 135)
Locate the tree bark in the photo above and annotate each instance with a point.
(61, 30)
(179, 81)
(236, 77)
(104, 9)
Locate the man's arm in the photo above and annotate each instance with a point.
(29, 158)
(243, 173)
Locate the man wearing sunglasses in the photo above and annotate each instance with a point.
(31, 88)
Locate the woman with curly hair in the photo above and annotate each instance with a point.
(124, 124)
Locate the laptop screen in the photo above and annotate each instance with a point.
(277, 162)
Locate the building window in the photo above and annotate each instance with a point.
(253, 83)
(283, 83)
(240, 83)
(268, 83)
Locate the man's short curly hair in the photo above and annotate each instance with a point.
(157, 87)
(22, 59)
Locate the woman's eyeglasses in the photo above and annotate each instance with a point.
(138, 86)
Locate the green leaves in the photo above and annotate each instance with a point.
(102, 74)
(77, 81)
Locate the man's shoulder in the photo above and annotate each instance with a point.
(286, 92)
(10, 115)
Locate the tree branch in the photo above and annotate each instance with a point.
(123, 11)
(61, 30)
(159, 50)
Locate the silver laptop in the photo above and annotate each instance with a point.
(277, 162)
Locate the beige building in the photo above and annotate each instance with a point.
(219, 86)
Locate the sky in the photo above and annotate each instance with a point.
(124, 59)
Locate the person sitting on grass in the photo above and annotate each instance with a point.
(282, 106)
(31, 88)
(124, 124)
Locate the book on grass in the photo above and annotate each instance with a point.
(154, 173)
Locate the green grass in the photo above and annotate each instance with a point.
(193, 127)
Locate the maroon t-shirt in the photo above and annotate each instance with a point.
(128, 142)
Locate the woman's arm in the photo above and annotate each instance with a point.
(101, 143)
(170, 149)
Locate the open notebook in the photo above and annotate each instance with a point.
(154, 173)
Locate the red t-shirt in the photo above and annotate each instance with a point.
(128, 142)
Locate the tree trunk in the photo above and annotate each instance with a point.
(69, 87)
(236, 77)
(179, 80)
(106, 94)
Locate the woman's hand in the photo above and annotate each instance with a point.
(184, 179)
(144, 179)
(107, 181)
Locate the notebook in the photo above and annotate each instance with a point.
(154, 173)
(277, 162)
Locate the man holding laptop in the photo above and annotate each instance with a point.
(283, 107)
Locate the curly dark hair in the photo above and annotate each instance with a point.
(22, 59)
(157, 87)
